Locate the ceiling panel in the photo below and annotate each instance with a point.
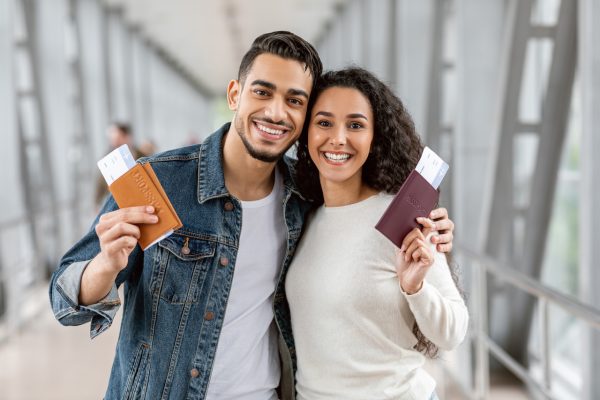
(209, 37)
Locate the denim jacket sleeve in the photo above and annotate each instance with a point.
(66, 280)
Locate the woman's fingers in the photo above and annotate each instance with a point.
(412, 235)
(419, 251)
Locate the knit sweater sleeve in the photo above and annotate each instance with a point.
(438, 307)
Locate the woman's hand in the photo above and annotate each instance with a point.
(414, 258)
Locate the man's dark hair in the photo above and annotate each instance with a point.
(286, 45)
(123, 127)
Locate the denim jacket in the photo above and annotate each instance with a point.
(174, 303)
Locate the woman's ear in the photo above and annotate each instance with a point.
(233, 94)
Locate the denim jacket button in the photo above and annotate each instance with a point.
(224, 261)
(228, 206)
(185, 250)
(209, 315)
(194, 373)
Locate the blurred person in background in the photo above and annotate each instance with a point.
(365, 315)
(191, 328)
(147, 148)
(118, 134)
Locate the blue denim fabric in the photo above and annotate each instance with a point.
(175, 303)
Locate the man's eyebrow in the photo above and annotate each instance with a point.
(298, 92)
(272, 86)
(266, 84)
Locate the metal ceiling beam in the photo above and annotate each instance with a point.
(589, 214)
(37, 174)
(81, 142)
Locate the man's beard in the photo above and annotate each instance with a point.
(263, 156)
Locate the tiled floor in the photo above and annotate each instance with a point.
(51, 362)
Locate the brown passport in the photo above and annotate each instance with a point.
(416, 198)
(140, 187)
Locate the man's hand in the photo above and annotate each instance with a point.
(444, 227)
(118, 232)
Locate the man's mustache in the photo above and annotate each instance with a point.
(280, 123)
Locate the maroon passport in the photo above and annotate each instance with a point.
(416, 198)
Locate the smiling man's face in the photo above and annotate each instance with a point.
(270, 105)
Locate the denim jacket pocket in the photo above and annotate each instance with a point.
(135, 384)
(182, 263)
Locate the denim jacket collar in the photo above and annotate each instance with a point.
(211, 182)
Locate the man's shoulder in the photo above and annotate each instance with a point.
(186, 153)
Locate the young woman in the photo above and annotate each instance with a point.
(364, 313)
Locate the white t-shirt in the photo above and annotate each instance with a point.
(246, 365)
(352, 323)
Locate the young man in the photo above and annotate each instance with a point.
(191, 330)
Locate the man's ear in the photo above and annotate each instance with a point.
(234, 89)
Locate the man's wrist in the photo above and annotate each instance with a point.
(101, 267)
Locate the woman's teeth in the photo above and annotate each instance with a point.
(337, 156)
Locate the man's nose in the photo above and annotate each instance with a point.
(276, 110)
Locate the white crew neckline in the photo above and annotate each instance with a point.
(270, 198)
(352, 206)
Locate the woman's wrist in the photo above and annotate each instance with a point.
(411, 289)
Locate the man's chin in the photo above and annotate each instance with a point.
(264, 156)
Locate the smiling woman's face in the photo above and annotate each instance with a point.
(340, 135)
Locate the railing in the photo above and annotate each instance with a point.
(481, 267)
(23, 277)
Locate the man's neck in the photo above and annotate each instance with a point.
(246, 178)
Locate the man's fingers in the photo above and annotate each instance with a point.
(427, 223)
(127, 243)
(121, 229)
(131, 215)
(445, 225)
(444, 248)
(438, 213)
(442, 238)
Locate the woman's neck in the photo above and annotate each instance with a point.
(336, 194)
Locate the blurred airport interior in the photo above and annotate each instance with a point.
(506, 91)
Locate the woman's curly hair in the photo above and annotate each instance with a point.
(395, 150)
(396, 147)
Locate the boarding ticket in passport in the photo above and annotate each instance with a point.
(133, 184)
(416, 198)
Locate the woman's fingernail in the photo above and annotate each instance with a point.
(150, 209)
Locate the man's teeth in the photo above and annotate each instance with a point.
(337, 157)
(269, 130)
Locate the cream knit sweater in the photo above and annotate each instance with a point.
(352, 323)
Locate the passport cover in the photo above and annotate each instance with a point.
(416, 198)
(140, 187)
